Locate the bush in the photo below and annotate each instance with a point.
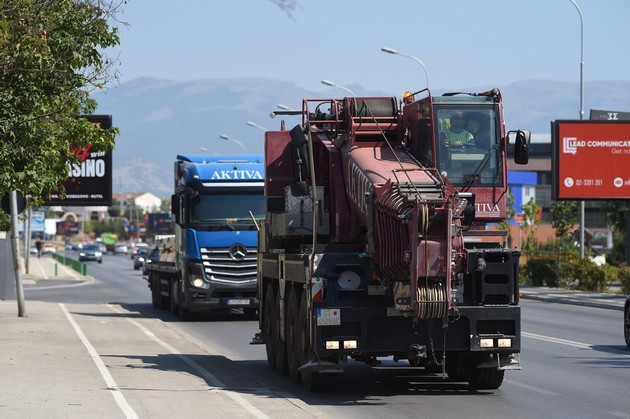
(623, 276)
(542, 272)
(583, 275)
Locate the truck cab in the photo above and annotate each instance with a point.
(215, 206)
(476, 165)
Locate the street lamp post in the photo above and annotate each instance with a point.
(582, 210)
(329, 83)
(228, 138)
(395, 52)
(255, 125)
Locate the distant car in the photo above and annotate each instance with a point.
(137, 247)
(49, 248)
(139, 258)
(91, 252)
(33, 250)
(120, 249)
(626, 322)
(152, 257)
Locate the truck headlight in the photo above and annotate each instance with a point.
(198, 281)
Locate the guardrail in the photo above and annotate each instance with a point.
(80, 267)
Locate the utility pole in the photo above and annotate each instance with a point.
(16, 253)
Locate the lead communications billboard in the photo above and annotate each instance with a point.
(591, 160)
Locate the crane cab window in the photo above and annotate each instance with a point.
(468, 151)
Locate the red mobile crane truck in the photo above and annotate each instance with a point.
(376, 243)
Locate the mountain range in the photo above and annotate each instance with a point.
(159, 119)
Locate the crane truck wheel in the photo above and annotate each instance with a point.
(269, 323)
(484, 378)
(280, 347)
(292, 335)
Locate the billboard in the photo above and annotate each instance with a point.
(602, 115)
(89, 182)
(590, 159)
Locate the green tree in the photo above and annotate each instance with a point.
(510, 212)
(564, 217)
(530, 221)
(51, 58)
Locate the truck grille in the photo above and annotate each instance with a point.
(230, 265)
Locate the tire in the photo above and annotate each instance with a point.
(173, 298)
(156, 298)
(626, 325)
(269, 323)
(251, 313)
(155, 292)
(484, 378)
(182, 312)
(455, 369)
(280, 346)
(292, 335)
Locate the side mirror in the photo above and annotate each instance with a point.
(175, 207)
(521, 146)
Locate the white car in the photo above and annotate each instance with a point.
(121, 249)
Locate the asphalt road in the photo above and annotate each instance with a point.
(575, 362)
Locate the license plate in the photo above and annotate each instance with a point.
(237, 302)
(328, 316)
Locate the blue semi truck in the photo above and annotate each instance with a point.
(210, 261)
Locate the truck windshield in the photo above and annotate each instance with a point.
(228, 207)
(468, 145)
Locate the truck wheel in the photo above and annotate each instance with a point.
(484, 378)
(455, 369)
(626, 326)
(155, 293)
(173, 299)
(280, 347)
(250, 313)
(183, 313)
(156, 296)
(269, 323)
(292, 335)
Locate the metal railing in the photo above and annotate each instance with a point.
(80, 267)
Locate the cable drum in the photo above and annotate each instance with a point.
(378, 108)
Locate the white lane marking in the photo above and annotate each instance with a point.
(557, 340)
(109, 380)
(620, 414)
(575, 344)
(210, 378)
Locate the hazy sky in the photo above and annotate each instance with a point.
(463, 43)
